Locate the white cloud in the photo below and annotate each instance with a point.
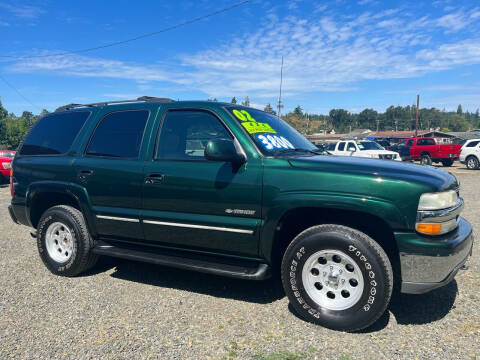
(22, 11)
(331, 53)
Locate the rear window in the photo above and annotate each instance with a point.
(119, 135)
(54, 133)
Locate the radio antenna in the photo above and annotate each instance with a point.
(280, 105)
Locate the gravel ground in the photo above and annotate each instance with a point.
(126, 310)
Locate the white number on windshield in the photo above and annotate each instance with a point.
(271, 142)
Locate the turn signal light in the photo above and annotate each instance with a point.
(429, 229)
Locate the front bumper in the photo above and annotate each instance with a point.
(431, 262)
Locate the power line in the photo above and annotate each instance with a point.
(173, 27)
(18, 92)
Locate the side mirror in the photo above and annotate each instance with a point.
(352, 149)
(224, 150)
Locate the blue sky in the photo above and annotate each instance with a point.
(337, 54)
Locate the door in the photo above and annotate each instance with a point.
(351, 149)
(340, 149)
(193, 203)
(111, 170)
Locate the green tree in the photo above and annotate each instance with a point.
(367, 119)
(234, 100)
(298, 111)
(459, 109)
(341, 120)
(246, 102)
(269, 109)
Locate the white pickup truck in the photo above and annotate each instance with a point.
(364, 148)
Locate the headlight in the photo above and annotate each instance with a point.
(437, 201)
(7, 165)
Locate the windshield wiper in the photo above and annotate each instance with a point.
(286, 151)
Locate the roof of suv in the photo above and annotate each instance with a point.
(148, 99)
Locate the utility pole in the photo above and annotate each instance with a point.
(378, 122)
(416, 120)
(280, 105)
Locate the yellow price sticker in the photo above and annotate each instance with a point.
(256, 127)
(243, 115)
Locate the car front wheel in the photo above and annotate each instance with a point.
(337, 277)
(425, 160)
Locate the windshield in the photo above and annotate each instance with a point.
(369, 145)
(270, 134)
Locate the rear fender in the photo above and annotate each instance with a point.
(77, 193)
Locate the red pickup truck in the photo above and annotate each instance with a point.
(427, 151)
(6, 157)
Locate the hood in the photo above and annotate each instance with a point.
(435, 178)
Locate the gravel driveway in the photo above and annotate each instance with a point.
(124, 310)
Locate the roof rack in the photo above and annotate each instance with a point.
(141, 98)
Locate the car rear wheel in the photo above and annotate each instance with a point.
(425, 159)
(472, 163)
(337, 277)
(447, 162)
(63, 241)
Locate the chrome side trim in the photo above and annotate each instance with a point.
(194, 226)
(117, 218)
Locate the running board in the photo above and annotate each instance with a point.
(183, 260)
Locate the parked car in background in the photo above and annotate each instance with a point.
(470, 154)
(365, 149)
(6, 157)
(427, 151)
(384, 143)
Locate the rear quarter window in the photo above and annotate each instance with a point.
(54, 133)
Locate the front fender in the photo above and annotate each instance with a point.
(285, 202)
(78, 193)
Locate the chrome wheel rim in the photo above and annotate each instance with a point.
(59, 242)
(471, 163)
(332, 279)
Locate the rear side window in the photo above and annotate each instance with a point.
(473, 143)
(54, 133)
(341, 146)
(119, 135)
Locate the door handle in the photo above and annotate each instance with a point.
(154, 179)
(83, 174)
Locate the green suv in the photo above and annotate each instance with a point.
(234, 191)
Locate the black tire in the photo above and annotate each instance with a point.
(425, 159)
(81, 258)
(472, 163)
(447, 162)
(373, 264)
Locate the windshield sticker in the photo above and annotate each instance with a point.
(256, 127)
(271, 142)
(243, 115)
(250, 124)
